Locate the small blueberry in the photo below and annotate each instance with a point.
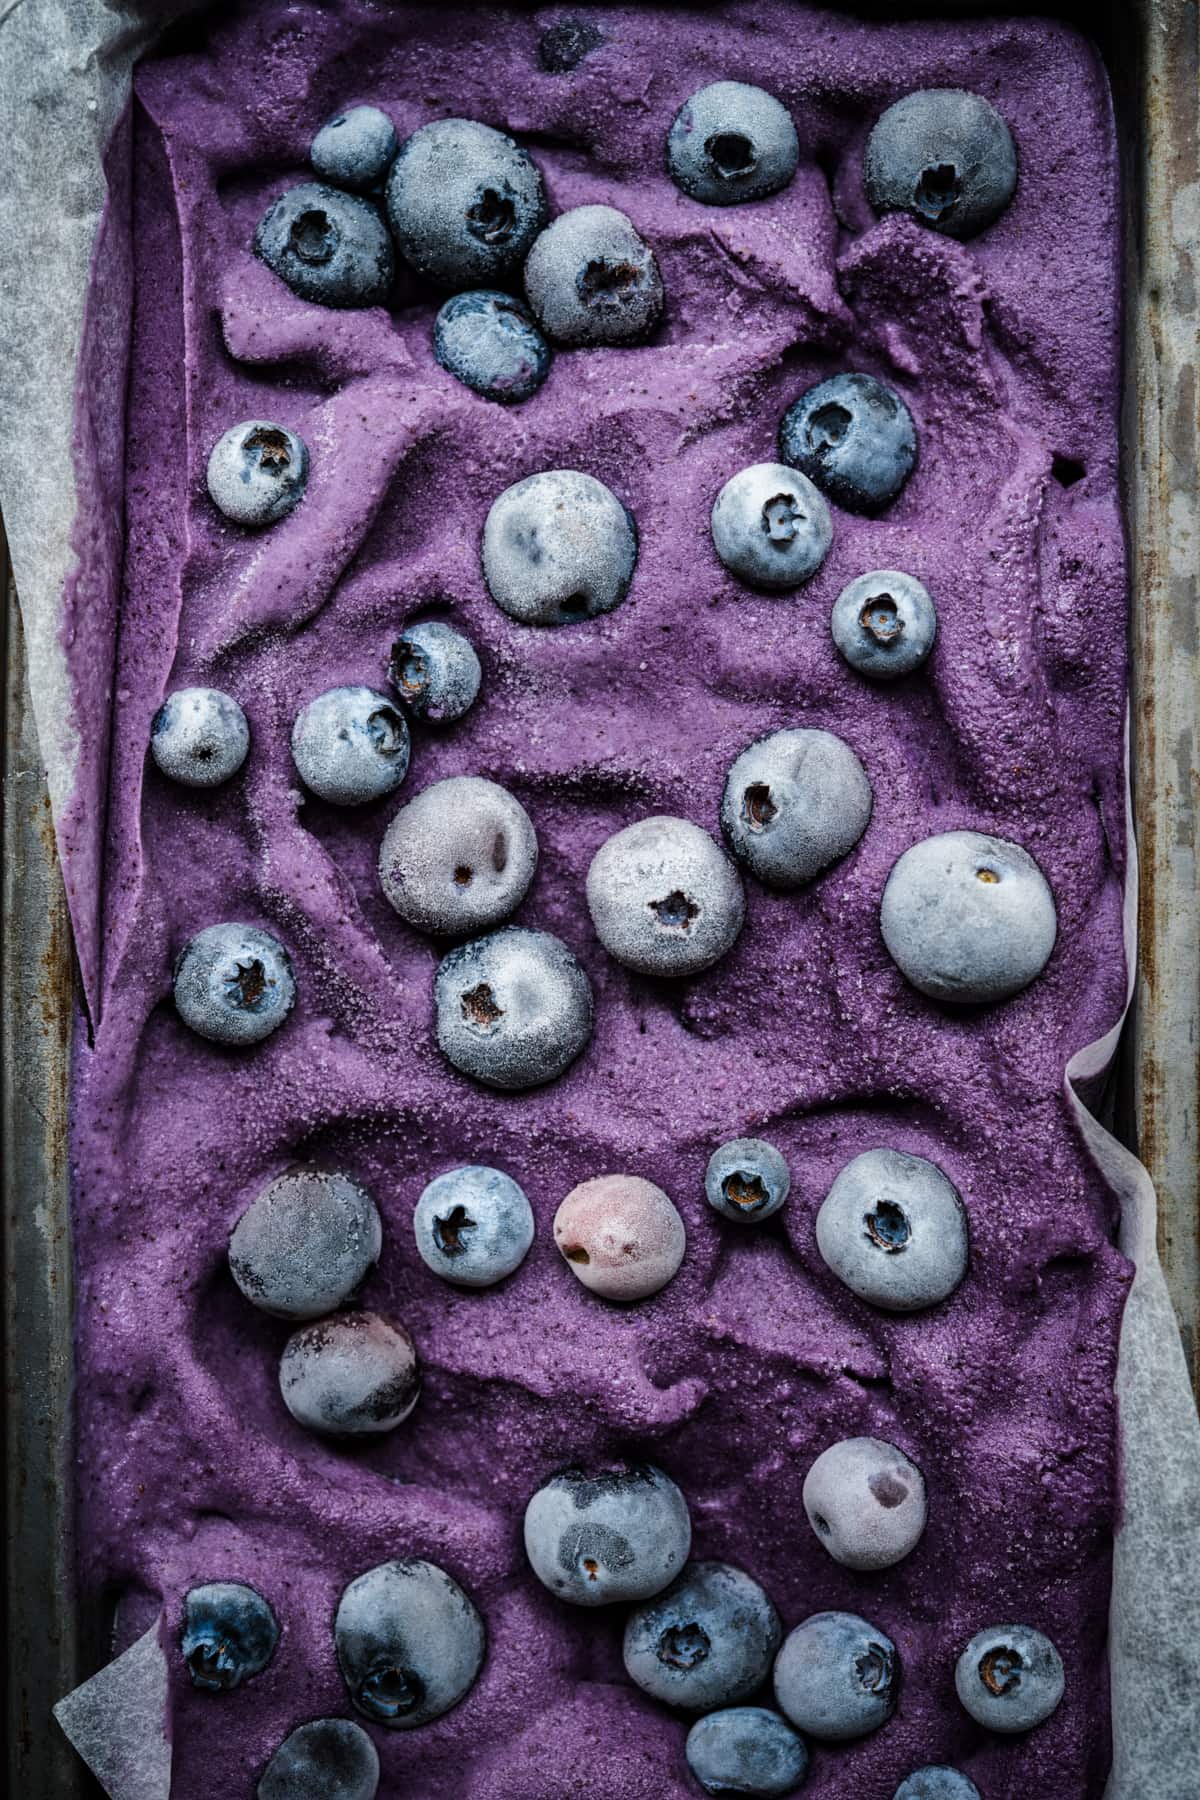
(199, 737)
(622, 1236)
(732, 142)
(770, 527)
(305, 1243)
(257, 472)
(893, 1228)
(837, 1676)
(489, 342)
(459, 857)
(350, 745)
(866, 1502)
(513, 1009)
(465, 203)
(591, 279)
(794, 803)
(936, 1784)
(619, 1535)
(664, 897)
(354, 149)
(327, 1759)
(473, 1226)
(558, 547)
(709, 1640)
(229, 1634)
(234, 984)
(329, 247)
(746, 1750)
(746, 1180)
(854, 437)
(943, 156)
(409, 1643)
(1009, 1678)
(884, 624)
(350, 1375)
(435, 671)
(563, 45)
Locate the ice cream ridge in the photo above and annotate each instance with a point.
(589, 1282)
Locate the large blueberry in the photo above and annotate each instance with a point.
(350, 1375)
(558, 547)
(591, 279)
(936, 1783)
(459, 857)
(746, 1750)
(893, 1228)
(435, 671)
(866, 1502)
(234, 984)
(305, 1243)
(229, 1634)
(257, 472)
(945, 157)
(327, 1759)
(732, 142)
(854, 437)
(350, 745)
(770, 526)
(409, 1643)
(354, 149)
(199, 737)
(473, 1226)
(331, 248)
(837, 1676)
(513, 1009)
(884, 624)
(1009, 1678)
(465, 203)
(619, 1535)
(664, 897)
(746, 1180)
(794, 803)
(489, 342)
(707, 1641)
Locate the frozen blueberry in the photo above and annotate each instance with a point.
(409, 1643)
(664, 897)
(1009, 1678)
(622, 1236)
(732, 142)
(837, 1676)
(866, 1502)
(558, 547)
(854, 437)
(229, 1634)
(459, 857)
(884, 624)
(746, 1180)
(489, 342)
(465, 203)
(327, 1759)
(305, 1243)
(354, 149)
(770, 526)
(331, 248)
(707, 1641)
(944, 156)
(968, 918)
(794, 802)
(473, 1226)
(619, 1535)
(234, 984)
(893, 1228)
(350, 745)
(199, 736)
(351, 1375)
(936, 1784)
(563, 45)
(513, 1009)
(257, 472)
(591, 279)
(746, 1750)
(435, 671)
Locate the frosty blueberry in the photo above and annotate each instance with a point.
(622, 1236)
(354, 149)
(884, 624)
(563, 45)
(854, 438)
(707, 1641)
(746, 1750)
(558, 547)
(257, 472)
(350, 745)
(866, 1502)
(732, 142)
(591, 279)
(435, 671)
(229, 1634)
(465, 203)
(770, 526)
(409, 1643)
(513, 1009)
(1009, 1678)
(490, 342)
(893, 1228)
(943, 156)
(350, 1375)
(968, 918)
(837, 1676)
(618, 1535)
(234, 984)
(329, 247)
(664, 898)
(794, 803)
(199, 737)
(459, 857)
(473, 1226)
(327, 1759)
(936, 1784)
(746, 1180)
(305, 1243)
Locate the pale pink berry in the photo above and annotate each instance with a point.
(621, 1235)
(866, 1502)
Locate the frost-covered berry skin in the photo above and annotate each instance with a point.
(234, 984)
(473, 1226)
(945, 157)
(620, 1535)
(1009, 1678)
(435, 671)
(854, 437)
(746, 1180)
(837, 1676)
(622, 1236)
(257, 472)
(664, 897)
(563, 45)
(490, 342)
(591, 279)
(459, 857)
(884, 624)
(746, 1750)
(936, 1783)
(770, 527)
(513, 1009)
(409, 1643)
(351, 1375)
(327, 1759)
(199, 737)
(305, 1243)
(329, 247)
(893, 1228)
(866, 1502)
(558, 547)
(355, 148)
(707, 1641)
(969, 919)
(350, 745)
(732, 142)
(465, 203)
(794, 803)
(229, 1634)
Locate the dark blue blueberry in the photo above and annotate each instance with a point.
(473, 1226)
(884, 624)
(1009, 1678)
(355, 148)
(305, 1243)
(591, 279)
(563, 45)
(732, 142)
(409, 1643)
(350, 745)
(435, 671)
(350, 1375)
(746, 1750)
(257, 472)
(622, 1534)
(854, 437)
(707, 1641)
(465, 203)
(327, 1759)
(837, 1676)
(229, 1634)
(489, 342)
(199, 737)
(512, 1009)
(330, 247)
(936, 1784)
(943, 156)
(746, 1180)
(234, 984)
